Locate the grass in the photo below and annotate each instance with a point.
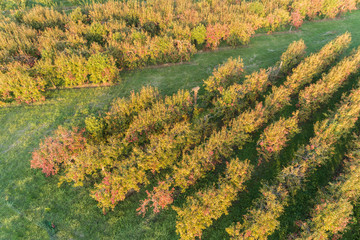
(34, 207)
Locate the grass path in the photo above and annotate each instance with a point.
(30, 202)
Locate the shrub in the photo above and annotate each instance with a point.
(292, 56)
(130, 56)
(184, 50)
(330, 8)
(239, 96)
(275, 137)
(313, 9)
(297, 19)
(51, 41)
(215, 33)
(71, 69)
(330, 217)
(198, 35)
(201, 210)
(15, 40)
(77, 15)
(109, 191)
(223, 76)
(153, 28)
(54, 152)
(163, 150)
(256, 7)
(40, 18)
(171, 110)
(240, 34)
(161, 197)
(327, 133)
(97, 32)
(219, 145)
(161, 50)
(105, 11)
(122, 111)
(48, 71)
(95, 127)
(179, 32)
(18, 84)
(132, 20)
(261, 220)
(101, 68)
(277, 18)
(277, 99)
(349, 179)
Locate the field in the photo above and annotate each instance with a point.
(32, 206)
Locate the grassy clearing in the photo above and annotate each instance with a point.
(30, 203)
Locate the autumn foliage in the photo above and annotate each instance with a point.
(275, 137)
(206, 206)
(90, 44)
(221, 144)
(176, 141)
(327, 134)
(58, 151)
(239, 96)
(334, 209)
